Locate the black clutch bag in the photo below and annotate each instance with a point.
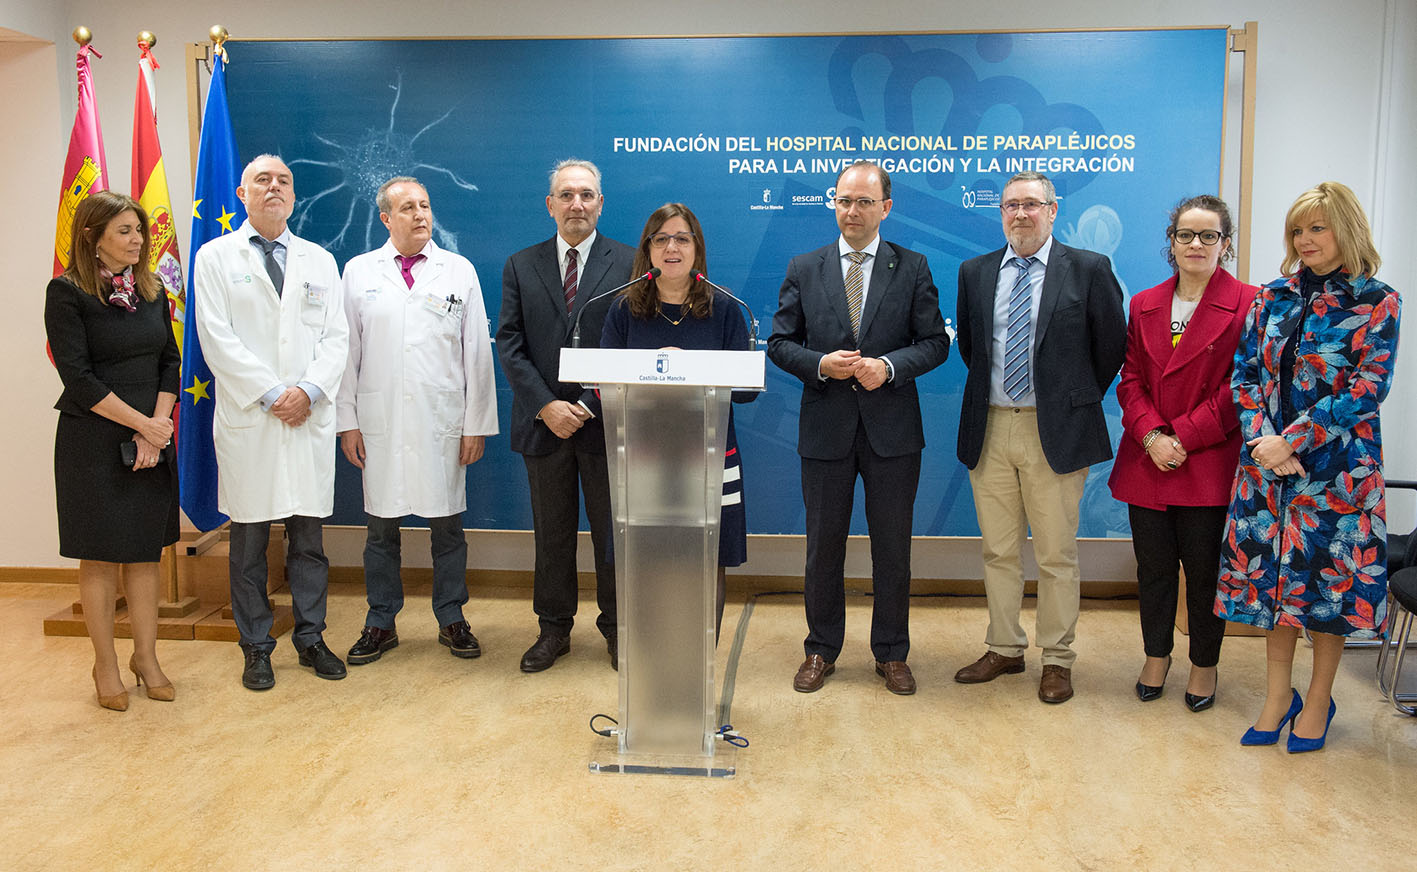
(128, 452)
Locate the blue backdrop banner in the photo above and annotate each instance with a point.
(750, 132)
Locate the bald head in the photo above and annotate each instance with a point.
(268, 192)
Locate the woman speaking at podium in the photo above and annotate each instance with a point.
(680, 309)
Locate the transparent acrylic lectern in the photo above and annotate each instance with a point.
(666, 426)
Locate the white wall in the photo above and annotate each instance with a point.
(1335, 100)
(31, 152)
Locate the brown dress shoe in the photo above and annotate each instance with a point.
(897, 676)
(810, 675)
(988, 668)
(1056, 685)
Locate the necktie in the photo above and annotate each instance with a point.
(572, 279)
(854, 285)
(1018, 339)
(272, 265)
(406, 266)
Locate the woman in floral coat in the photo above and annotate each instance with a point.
(1306, 535)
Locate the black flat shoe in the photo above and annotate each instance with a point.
(1147, 693)
(1201, 703)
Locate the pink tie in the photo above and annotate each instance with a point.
(572, 279)
(406, 266)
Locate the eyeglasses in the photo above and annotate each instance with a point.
(845, 203)
(1207, 237)
(586, 196)
(1029, 206)
(660, 240)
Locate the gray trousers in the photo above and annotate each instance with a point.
(383, 557)
(306, 571)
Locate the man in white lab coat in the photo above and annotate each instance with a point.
(271, 321)
(415, 406)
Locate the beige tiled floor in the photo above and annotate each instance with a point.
(421, 761)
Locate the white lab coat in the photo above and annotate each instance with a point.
(254, 340)
(419, 378)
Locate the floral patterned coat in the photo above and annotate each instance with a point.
(1311, 550)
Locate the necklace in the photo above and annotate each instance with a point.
(683, 313)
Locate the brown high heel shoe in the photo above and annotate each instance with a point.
(163, 693)
(118, 702)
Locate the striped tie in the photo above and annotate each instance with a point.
(1019, 337)
(853, 291)
(572, 279)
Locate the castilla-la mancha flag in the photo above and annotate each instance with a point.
(85, 169)
(150, 190)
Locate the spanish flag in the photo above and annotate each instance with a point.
(150, 190)
(85, 169)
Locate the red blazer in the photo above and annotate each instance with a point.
(1185, 391)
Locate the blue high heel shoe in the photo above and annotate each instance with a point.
(1270, 737)
(1299, 745)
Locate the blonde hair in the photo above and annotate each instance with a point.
(1336, 205)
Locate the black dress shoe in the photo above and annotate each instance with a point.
(372, 644)
(326, 664)
(258, 674)
(459, 639)
(612, 644)
(544, 651)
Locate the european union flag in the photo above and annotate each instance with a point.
(215, 210)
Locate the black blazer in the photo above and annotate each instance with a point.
(101, 349)
(901, 321)
(533, 327)
(1078, 346)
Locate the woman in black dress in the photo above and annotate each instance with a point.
(679, 309)
(110, 333)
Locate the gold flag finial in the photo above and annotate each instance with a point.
(82, 35)
(219, 37)
(147, 36)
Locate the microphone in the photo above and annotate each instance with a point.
(653, 273)
(752, 321)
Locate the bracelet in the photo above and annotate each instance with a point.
(1150, 438)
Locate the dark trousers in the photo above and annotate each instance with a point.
(306, 572)
(383, 558)
(828, 488)
(1187, 537)
(557, 481)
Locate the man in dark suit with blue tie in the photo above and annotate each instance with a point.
(555, 427)
(1042, 332)
(858, 321)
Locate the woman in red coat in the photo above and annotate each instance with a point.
(1181, 440)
